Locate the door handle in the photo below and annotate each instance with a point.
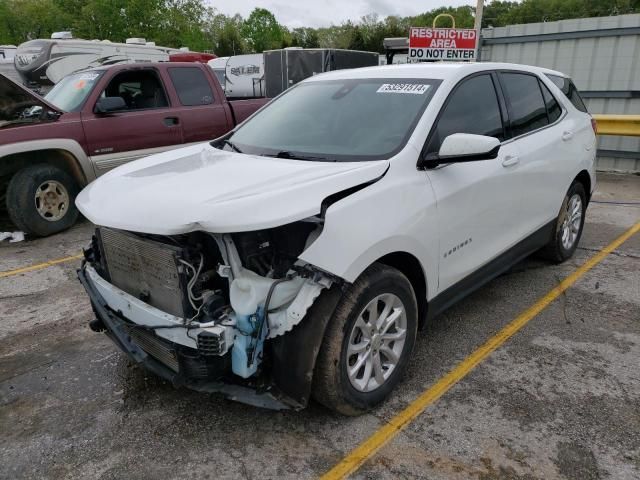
(171, 121)
(510, 160)
(567, 135)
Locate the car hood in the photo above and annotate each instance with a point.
(15, 99)
(203, 188)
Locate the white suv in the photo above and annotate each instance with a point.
(300, 253)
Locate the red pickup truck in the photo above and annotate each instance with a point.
(95, 120)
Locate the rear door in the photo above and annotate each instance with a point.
(476, 216)
(147, 125)
(203, 113)
(544, 136)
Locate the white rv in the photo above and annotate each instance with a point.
(218, 65)
(241, 76)
(44, 62)
(7, 52)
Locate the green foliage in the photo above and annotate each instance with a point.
(262, 31)
(499, 13)
(463, 16)
(305, 38)
(21, 20)
(193, 23)
(225, 34)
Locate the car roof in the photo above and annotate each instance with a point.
(431, 70)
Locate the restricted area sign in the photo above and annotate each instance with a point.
(442, 43)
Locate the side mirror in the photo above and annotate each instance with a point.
(464, 147)
(110, 104)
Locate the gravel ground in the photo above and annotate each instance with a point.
(561, 399)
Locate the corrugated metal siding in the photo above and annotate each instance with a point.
(596, 64)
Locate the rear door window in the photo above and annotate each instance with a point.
(526, 105)
(569, 90)
(472, 108)
(192, 86)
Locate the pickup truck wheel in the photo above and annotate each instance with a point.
(568, 227)
(367, 343)
(41, 200)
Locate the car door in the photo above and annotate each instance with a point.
(544, 136)
(202, 115)
(147, 125)
(476, 201)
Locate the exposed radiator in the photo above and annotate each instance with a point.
(146, 269)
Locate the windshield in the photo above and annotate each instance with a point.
(338, 120)
(70, 93)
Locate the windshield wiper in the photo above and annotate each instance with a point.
(232, 145)
(295, 156)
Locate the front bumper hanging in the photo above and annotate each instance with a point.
(116, 329)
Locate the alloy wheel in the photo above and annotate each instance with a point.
(376, 342)
(572, 222)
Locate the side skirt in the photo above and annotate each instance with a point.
(491, 270)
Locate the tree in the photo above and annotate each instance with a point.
(357, 40)
(262, 31)
(22, 20)
(183, 24)
(463, 16)
(305, 37)
(496, 13)
(225, 35)
(192, 23)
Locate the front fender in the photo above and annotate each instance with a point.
(294, 354)
(391, 216)
(82, 167)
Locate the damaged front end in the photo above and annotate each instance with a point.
(233, 313)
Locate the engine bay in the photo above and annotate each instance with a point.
(231, 294)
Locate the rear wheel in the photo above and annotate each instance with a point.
(41, 200)
(569, 225)
(368, 342)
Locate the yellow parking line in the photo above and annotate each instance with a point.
(39, 266)
(381, 437)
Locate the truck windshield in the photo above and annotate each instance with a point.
(70, 93)
(337, 120)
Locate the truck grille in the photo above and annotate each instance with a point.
(146, 269)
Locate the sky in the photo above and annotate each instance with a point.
(323, 13)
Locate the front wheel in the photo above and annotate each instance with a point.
(41, 200)
(368, 342)
(569, 225)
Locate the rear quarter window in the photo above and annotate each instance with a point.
(569, 89)
(553, 108)
(192, 86)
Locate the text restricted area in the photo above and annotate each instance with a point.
(442, 43)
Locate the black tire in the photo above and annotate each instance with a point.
(555, 251)
(331, 385)
(21, 200)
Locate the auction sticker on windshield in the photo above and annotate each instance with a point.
(413, 88)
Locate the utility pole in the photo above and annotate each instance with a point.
(478, 26)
